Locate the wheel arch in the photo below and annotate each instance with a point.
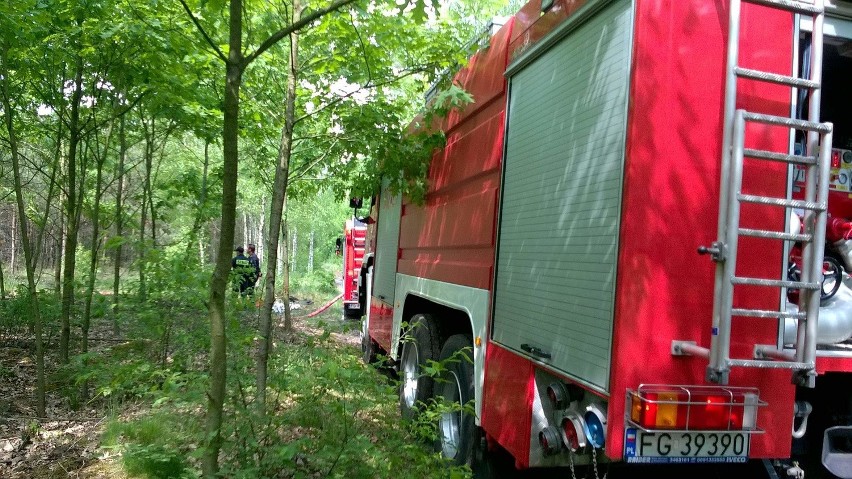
(457, 310)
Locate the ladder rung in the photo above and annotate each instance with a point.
(773, 156)
(790, 5)
(758, 363)
(774, 235)
(778, 283)
(765, 200)
(788, 122)
(776, 78)
(758, 313)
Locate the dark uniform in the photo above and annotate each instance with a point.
(243, 273)
(255, 263)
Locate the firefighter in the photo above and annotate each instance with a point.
(243, 273)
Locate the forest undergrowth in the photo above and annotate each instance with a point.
(134, 406)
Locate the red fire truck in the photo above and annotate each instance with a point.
(627, 231)
(352, 247)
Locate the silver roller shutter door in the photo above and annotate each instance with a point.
(561, 202)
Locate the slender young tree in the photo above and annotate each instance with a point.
(119, 221)
(29, 262)
(71, 210)
(279, 193)
(235, 64)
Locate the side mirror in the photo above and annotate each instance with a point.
(355, 203)
(338, 248)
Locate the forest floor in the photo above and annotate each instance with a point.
(67, 443)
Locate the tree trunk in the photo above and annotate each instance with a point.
(219, 281)
(295, 248)
(311, 253)
(285, 276)
(143, 220)
(261, 245)
(22, 220)
(93, 271)
(246, 239)
(2, 280)
(70, 255)
(59, 248)
(100, 158)
(281, 258)
(201, 211)
(52, 188)
(279, 195)
(14, 241)
(119, 223)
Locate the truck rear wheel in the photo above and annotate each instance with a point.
(420, 344)
(457, 427)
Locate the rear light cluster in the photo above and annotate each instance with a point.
(702, 408)
(575, 431)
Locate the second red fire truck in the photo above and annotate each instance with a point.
(638, 233)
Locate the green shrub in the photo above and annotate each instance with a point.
(152, 447)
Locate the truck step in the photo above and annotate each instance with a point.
(763, 364)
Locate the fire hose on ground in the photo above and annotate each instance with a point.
(278, 308)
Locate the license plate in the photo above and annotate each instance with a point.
(352, 305)
(684, 447)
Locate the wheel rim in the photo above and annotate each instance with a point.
(410, 373)
(450, 423)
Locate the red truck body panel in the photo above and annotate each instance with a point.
(354, 241)
(670, 207)
(451, 237)
(671, 203)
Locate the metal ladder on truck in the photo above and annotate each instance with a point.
(816, 162)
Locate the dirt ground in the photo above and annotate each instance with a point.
(64, 444)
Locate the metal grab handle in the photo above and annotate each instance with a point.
(537, 352)
(716, 251)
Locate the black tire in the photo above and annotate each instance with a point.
(420, 344)
(457, 431)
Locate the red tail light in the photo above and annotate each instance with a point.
(695, 408)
